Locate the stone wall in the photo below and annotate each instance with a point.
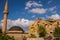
(35, 39)
(17, 36)
(20, 37)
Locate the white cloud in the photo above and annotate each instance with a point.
(26, 7)
(52, 8)
(36, 4)
(55, 17)
(19, 22)
(38, 10)
(29, 4)
(37, 7)
(33, 16)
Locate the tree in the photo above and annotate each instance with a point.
(56, 32)
(41, 31)
(5, 37)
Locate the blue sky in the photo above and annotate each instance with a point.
(31, 9)
(17, 9)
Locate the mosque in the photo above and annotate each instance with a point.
(17, 32)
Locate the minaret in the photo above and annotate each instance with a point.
(5, 18)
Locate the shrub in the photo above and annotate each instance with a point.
(32, 36)
(56, 32)
(5, 37)
(41, 31)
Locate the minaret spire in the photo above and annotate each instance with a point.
(6, 7)
(5, 18)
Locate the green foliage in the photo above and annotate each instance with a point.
(56, 32)
(5, 37)
(41, 31)
(32, 36)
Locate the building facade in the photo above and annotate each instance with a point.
(48, 24)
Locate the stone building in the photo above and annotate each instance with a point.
(49, 24)
(16, 32)
(5, 18)
(16, 29)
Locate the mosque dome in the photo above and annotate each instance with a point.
(16, 29)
